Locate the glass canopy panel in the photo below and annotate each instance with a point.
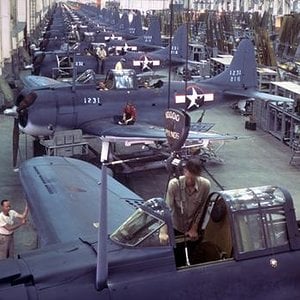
(136, 229)
(251, 198)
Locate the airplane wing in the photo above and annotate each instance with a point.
(258, 95)
(142, 131)
(106, 128)
(63, 195)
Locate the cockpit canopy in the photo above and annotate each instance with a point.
(243, 223)
(142, 227)
(260, 220)
(121, 79)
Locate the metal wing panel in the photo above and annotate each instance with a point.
(36, 82)
(141, 131)
(138, 130)
(63, 195)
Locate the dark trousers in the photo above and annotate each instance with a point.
(118, 119)
(180, 253)
(100, 66)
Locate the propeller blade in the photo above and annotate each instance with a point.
(15, 145)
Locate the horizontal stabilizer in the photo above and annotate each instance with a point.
(258, 95)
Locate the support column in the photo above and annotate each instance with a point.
(276, 6)
(21, 19)
(286, 7)
(5, 34)
(237, 5)
(246, 6)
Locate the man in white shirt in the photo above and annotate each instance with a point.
(8, 225)
(101, 55)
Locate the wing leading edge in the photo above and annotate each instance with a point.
(142, 131)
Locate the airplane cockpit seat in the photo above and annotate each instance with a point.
(109, 83)
(218, 231)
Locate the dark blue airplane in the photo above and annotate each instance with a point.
(249, 248)
(48, 64)
(46, 105)
(108, 24)
(55, 55)
(149, 41)
(173, 55)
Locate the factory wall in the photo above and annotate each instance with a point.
(19, 20)
(19, 24)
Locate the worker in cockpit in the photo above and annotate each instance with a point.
(187, 198)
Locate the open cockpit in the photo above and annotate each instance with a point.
(237, 224)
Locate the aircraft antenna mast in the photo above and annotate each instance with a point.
(187, 48)
(74, 73)
(170, 52)
(102, 264)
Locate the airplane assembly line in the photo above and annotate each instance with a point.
(224, 88)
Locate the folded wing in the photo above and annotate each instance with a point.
(64, 194)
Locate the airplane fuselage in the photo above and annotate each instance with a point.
(67, 107)
(64, 109)
(68, 272)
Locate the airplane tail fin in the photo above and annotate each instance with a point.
(153, 36)
(123, 23)
(179, 45)
(104, 15)
(136, 27)
(113, 18)
(241, 73)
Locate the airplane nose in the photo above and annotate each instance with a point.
(20, 114)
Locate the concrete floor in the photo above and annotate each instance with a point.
(256, 159)
(10, 186)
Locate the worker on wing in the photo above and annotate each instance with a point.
(129, 114)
